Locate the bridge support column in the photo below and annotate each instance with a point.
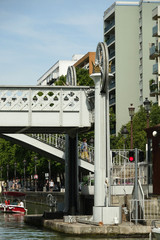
(100, 150)
(71, 175)
(102, 211)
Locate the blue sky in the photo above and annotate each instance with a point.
(35, 34)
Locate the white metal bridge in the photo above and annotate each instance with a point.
(44, 109)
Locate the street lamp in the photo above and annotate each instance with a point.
(131, 114)
(124, 132)
(7, 176)
(49, 168)
(35, 160)
(24, 162)
(147, 107)
(1, 172)
(15, 165)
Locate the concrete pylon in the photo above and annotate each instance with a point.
(99, 148)
(102, 211)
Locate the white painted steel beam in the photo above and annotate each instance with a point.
(43, 109)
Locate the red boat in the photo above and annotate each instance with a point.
(11, 204)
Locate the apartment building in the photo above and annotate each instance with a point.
(86, 62)
(154, 54)
(128, 32)
(57, 70)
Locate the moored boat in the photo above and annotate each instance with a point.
(13, 202)
(155, 232)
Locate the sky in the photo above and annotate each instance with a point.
(35, 34)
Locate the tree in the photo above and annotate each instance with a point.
(154, 115)
(139, 126)
(61, 81)
(83, 78)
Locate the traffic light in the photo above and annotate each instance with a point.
(131, 156)
(141, 156)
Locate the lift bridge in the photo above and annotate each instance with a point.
(47, 109)
(44, 109)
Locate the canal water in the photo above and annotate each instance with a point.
(12, 227)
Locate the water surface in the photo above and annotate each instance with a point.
(12, 227)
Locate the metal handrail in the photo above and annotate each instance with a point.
(58, 141)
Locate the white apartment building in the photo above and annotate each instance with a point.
(128, 32)
(57, 70)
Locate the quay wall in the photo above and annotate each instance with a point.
(86, 202)
(126, 229)
(40, 197)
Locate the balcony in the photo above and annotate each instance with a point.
(112, 101)
(112, 84)
(153, 86)
(110, 40)
(111, 54)
(153, 52)
(109, 26)
(155, 31)
(112, 68)
(155, 68)
(156, 13)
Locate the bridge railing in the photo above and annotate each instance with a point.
(41, 107)
(123, 171)
(58, 141)
(41, 98)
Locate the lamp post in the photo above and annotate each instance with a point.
(35, 161)
(15, 166)
(24, 162)
(131, 114)
(49, 168)
(124, 132)
(1, 172)
(7, 176)
(147, 107)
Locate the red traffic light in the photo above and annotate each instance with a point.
(131, 156)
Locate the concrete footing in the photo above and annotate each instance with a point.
(107, 215)
(125, 229)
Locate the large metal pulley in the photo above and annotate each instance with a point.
(71, 76)
(102, 60)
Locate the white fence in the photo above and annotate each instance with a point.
(123, 171)
(150, 211)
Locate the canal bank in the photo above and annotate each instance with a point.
(86, 202)
(125, 229)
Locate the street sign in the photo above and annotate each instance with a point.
(35, 176)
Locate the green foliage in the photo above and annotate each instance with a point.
(61, 81)
(112, 117)
(154, 115)
(12, 153)
(139, 126)
(83, 78)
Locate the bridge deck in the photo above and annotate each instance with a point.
(43, 109)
